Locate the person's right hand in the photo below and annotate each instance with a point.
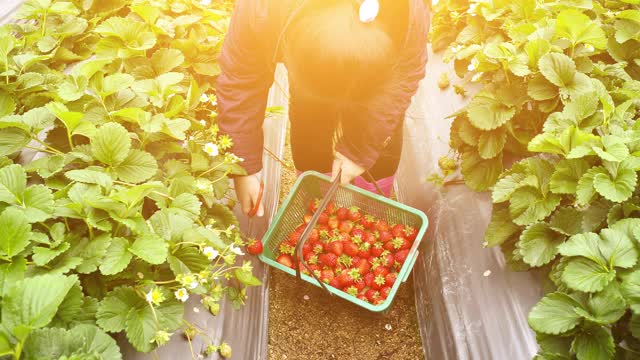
(248, 191)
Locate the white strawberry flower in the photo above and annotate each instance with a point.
(210, 252)
(181, 294)
(211, 149)
(472, 8)
(204, 98)
(236, 250)
(589, 47)
(205, 2)
(456, 48)
(203, 123)
(154, 296)
(474, 64)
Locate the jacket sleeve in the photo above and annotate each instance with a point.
(386, 110)
(243, 86)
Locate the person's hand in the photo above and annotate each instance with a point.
(350, 170)
(248, 191)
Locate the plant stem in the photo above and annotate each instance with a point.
(40, 150)
(210, 170)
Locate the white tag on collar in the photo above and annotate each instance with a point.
(369, 10)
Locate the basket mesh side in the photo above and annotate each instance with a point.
(312, 187)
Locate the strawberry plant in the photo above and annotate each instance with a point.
(113, 177)
(559, 89)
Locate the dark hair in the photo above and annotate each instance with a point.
(331, 54)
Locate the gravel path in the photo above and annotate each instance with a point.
(304, 323)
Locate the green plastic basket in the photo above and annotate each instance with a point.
(311, 185)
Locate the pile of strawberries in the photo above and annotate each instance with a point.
(351, 251)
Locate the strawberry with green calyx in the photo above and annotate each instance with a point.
(398, 230)
(411, 233)
(368, 279)
(362, 297)
(346, 226)
(398, 242)
(359, 284)
(358, 232)
(365, 251)
(331, 208)
(401, 256)
(313, 260)
(333, 222)
(323, 219)
(381, 225)
(390, 279)
(357, 240)
(254, 247)
(352, 290)
(343, 237)
(350, 248)
(378, 282)
(377, 249)
(372, 295)
(380, 270)
(378, 301)
(313, 206)
(387, 259)
(355, 274)
(385, 236)
(335, 247)
(326, 275)
(317, 272)
(354, 214)
(317, 248)
(355, 261)
(345, 260)
(294, 237)
(307, 248)
(286, 248)
(368, 221)
(344, 279)
(314, 235)
(384, 292)
(329, 259)
(324, 234)
(286, 260)
(335, 283)
(342, 213)
(363, 267)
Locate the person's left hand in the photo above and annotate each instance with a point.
(350, 170)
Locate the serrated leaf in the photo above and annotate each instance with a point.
(630, 289)
(585, 189)
(150, 248)
(43, 255)
(618, 188)
(92, 252)
(567, 174)
(170, 226)
(479, 174)
(585, 245)
(10, 273)
(567, 221)
(540, 89)
(165, 60)
(486, 112)
(559, 69)
(13, 139)
(111, 144)
(538, 244)
(117, 257)
(586, 275)
(34, 301)
(37, 203)
(188, 204)
(13, 182)
(113, 309)
(605, 307)
(527, 205)
(247, 278)
(15, 232)
(579, 29)
(88, 176)
(506, 186)
(491, 143)
(141, 325)
(187, 260)
(46, 166)
(618, 248)
(593, 343)
(139, 166)
(81, 342)
(554, 314)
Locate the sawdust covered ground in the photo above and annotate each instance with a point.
(306, 324)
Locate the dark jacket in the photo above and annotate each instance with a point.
(248, 60)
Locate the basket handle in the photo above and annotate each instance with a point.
(371, 179)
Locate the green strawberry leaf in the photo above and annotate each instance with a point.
(554, 314)
(593, 342)
(579, 29)
(618, 248)
(567, 221)
(491, 143)
(117, 257)
(111, 144)
(150, 248)
(586, 275)
(567, 174)
(500, 229)
(113, 309)
(479, 174)
(538, 244)
(15, 232)
(488, 113)
(617, 188)
(139, 166)
(528, 205)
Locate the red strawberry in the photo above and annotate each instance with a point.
(286, 248)
(387, 259)
(376, 249)
(372, 295)
(381, 226)
(344, 237)
(254, 247)
(390, 279)
(363, 267)
(317, 248)
(401, 256)
(326, 275)
(388, 246)
(355, 261)
(359, 232)
(285, 260)
(323, 228)
(331, 208)
(314, 235)
(367, 221)
(346, 227)
(307, 248)
(368, 279)
(313, 205)
(335, 283)
(370, 237)
(333, 222)
(385, 236)
(378, 282)
(400, 243)
(344, 279)
(380, 270)
(294, 237)
(342, 213)
(362, 297)
(350, 248)
(411, 233)
(354, 214)
(308, 256)
(323, 219)
(359, 284)
(307, 218)
(335, 247)
(384, 292)
(398, 230)
(364, 253)
(300, 228)
(329, 259)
